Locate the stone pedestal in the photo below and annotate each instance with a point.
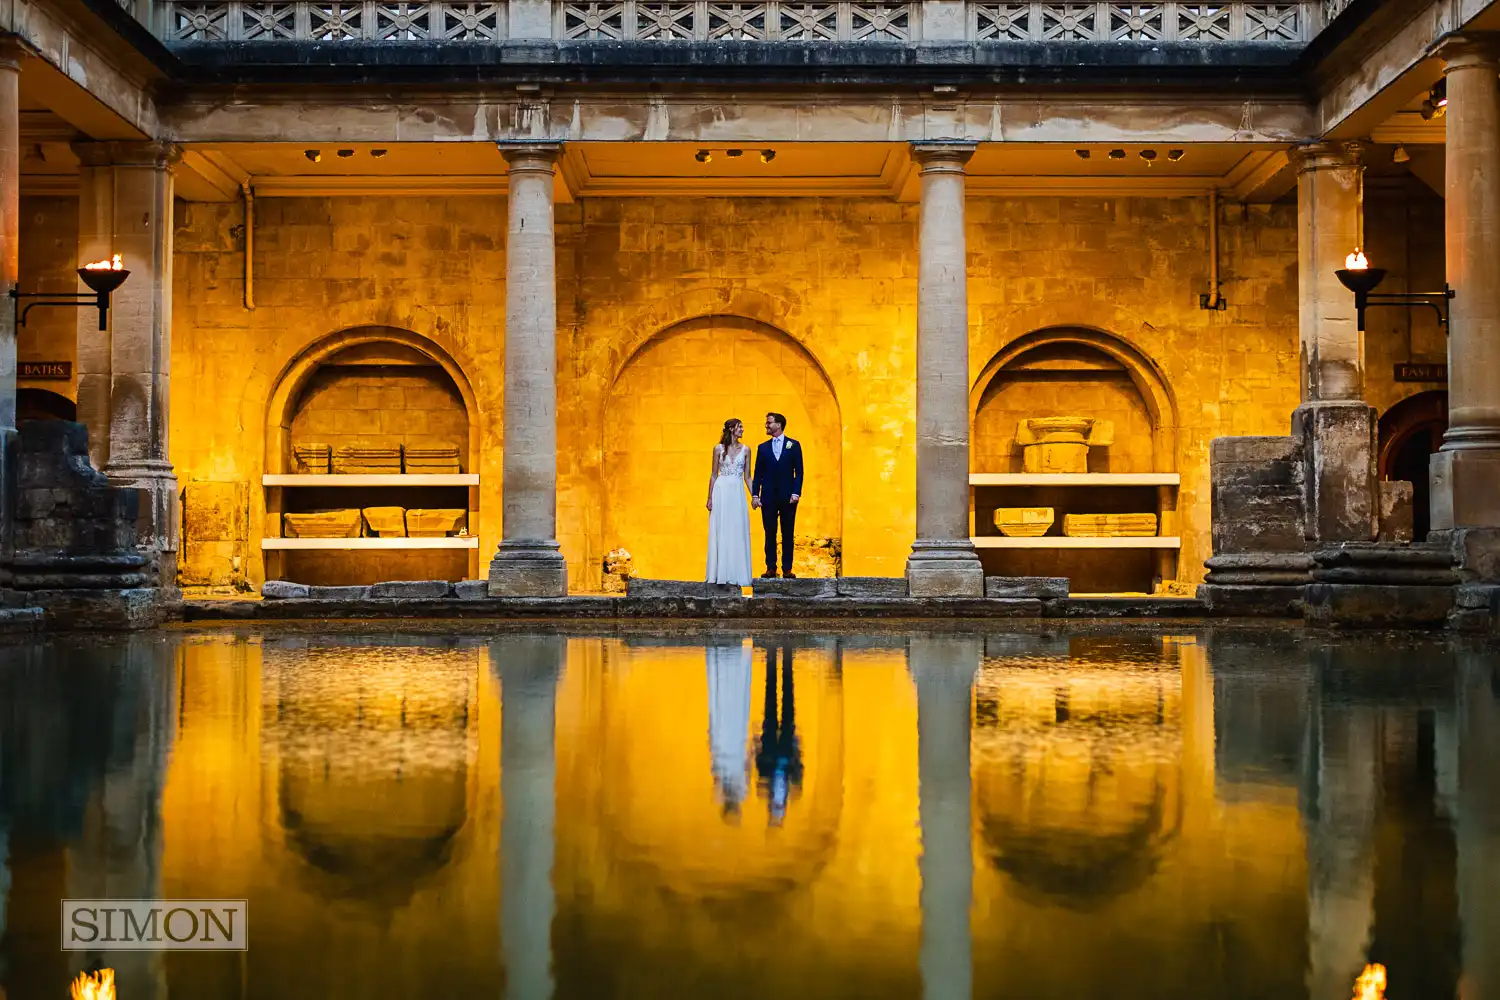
(529, 562)
(1338, 450)
(1466, 472)
(75, 536)
(943, 562)
(1260, 563)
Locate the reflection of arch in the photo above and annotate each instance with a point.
(295, 376)
(372, 766)
(44, 404)
(664, 828)
(664, 411)
(1410, 433)
(1147, 377)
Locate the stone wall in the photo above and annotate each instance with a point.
(49, 255)
(824, 292)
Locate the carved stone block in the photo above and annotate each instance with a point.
(1024, 522)
(1109, 525)
(323, 524)
(1060, 445)
(436, 523)
(386, 522)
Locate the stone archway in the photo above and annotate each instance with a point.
(1411, 431)
(663, 415)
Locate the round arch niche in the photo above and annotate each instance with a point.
(1077, 372)
(663, 416)
(1411, 431)
(376, 402)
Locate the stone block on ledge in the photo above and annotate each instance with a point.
(871, 588)
(280, 590)
(472, 590)
(680, 588)
(800, 587)
(338, 593)
(1043, 587)
(412, 589)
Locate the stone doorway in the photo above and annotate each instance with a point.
(1411, 432)
(663, 417)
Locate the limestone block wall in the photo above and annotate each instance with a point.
(49, 255)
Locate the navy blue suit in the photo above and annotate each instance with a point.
(775, 482)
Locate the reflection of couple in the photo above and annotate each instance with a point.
(778, 755)
(775, 489)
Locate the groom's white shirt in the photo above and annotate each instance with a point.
(776, 445)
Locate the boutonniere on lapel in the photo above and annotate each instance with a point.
(790, 445)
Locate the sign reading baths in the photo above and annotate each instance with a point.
(155, 925)
(59, 371)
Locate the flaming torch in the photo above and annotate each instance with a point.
(1371, 983)
(101, 985)
(103, 277)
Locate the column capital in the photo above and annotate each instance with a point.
(944, 156)
(1325, 155)
(160, 155)
(1468, 52)
(12, 49)
(531, 155)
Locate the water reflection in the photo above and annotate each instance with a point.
(1087, 813)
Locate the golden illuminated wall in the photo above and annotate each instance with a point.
(836, 276)
(666, 413)
(48, 254)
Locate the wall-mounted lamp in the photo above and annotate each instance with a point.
(1436, 104)
(102, 277)
(1400, 155)
(1360, 278)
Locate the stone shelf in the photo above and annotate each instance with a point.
(406, 479)
(465, 542)
(1075, 479)
(1064, 542)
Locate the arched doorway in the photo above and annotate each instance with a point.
(1088, 373)
(44, 404)
(663, 416)
(385, 405)
(1411, 432)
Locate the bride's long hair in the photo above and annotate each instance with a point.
(726, 439)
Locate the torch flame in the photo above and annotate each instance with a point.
(1371, 983)
(1357, 261)
(115, 263)
(100, 986)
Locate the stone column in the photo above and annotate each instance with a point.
(943, 562)
(124, 372)
(529, 668)
(944, 670)
(10, 240)
(1466, 472)
(1337, 429)
(529, 562)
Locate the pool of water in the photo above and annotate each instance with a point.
(1090, 813)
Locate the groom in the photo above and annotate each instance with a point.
(776, 488)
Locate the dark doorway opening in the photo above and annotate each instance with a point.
(1410, 433)
(44, 404)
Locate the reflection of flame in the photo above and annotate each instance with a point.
(113, 264)
(98, 987)
(1371, 983)
(1357, 261)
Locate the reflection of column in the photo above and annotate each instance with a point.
(118, 855)
(1340, 820)
(1477, 826)
(529, 668)
(943, 562)
(529, 563)
(944, 670)
(125, 207)
(10, 261)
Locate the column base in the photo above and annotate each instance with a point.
(1465, 489)
(528, 569)
(1339, 470)
(943, 568)
(158, 528)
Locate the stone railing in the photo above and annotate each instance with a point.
(1240, 21)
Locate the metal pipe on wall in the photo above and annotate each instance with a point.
(1213, 300)
(249, 195)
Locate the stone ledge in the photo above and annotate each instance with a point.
(871, 587)
(1378, 606)
(1042, 587)
(112, 610)
(1128, 607)
(680, 588)
(412, 588)
(338, 593)
(810, 587)
(1235, 601)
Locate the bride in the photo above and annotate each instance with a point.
(728, 512)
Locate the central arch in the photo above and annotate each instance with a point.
(663, 416)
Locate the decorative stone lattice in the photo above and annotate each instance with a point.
(336, 20)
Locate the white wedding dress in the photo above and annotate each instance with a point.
(729, 522)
